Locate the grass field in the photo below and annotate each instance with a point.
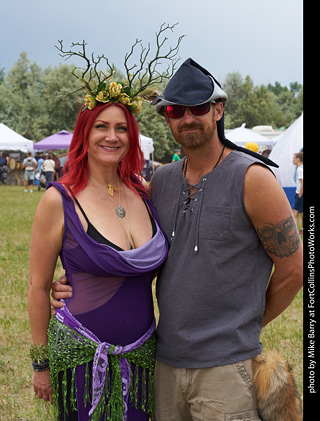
(17, 401)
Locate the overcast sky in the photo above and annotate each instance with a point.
(262, 38)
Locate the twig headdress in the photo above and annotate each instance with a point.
(140, 80)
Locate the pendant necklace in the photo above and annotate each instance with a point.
(109, 186)
(120, 211)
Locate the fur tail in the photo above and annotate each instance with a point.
(277, 395)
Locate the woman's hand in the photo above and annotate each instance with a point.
(42, 385)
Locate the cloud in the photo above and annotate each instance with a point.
(260, 38)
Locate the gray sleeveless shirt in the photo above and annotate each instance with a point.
(211, 289)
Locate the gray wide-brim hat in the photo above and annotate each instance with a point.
(194, 85)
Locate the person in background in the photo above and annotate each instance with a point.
(40, 161)
(4, 167)
(176, 155)
(57, 166)
(30, 165)
(252, 146)
(266, 153)
(298, 204)
(48, 168)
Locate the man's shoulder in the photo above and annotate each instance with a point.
(168, 169)
(241, 160)
(165, 179)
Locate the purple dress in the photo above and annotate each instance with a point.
(112, 294)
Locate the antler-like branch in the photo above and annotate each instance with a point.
(139, 76)
(149, 75)
(90, 72)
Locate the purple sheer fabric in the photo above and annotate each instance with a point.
(111, 289)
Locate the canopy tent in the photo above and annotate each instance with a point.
(12, 141)
(146, 144)
(60, 140)
(287, 144)
(240, 136)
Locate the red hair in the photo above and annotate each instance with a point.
(76, 177)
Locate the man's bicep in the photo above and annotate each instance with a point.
(280, 238)
(270, 213)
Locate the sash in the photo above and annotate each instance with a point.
(102, 352)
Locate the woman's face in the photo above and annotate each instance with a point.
(108, 137)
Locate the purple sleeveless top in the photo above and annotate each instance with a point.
(111, 289)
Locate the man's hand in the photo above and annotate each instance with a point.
(60, 290)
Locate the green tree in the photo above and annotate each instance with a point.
(62, 99)
(2, 75)
(274, 105)
(20, 96)
(36, 103)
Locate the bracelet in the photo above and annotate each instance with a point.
(41, 366)
(39, 354)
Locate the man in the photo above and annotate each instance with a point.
(225, 234)
(298, 203)
(30, 165)
(176, 155)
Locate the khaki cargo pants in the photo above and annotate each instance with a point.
(224, 393)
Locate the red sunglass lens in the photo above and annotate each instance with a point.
(175, 111)
(200, 109)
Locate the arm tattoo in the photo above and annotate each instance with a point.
(281, 239)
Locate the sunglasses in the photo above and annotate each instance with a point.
(177, 111)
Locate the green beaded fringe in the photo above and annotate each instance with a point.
(68, 349)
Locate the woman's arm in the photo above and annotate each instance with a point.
(46, 243)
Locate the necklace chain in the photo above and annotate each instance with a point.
(219, 159)
(120, 211)
(109, 186)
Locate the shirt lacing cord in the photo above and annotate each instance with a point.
(190, 197)
(187, 207)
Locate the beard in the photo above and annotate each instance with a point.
(202, 135)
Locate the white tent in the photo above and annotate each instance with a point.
(146, 144)
(287, 144)
(240, 136)
(12, 141)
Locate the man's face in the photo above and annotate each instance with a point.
(192, 131)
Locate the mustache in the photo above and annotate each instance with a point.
(191, 126)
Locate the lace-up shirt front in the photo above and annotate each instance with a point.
(211, 289)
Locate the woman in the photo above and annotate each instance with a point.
(99, 220)
(48, 168)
